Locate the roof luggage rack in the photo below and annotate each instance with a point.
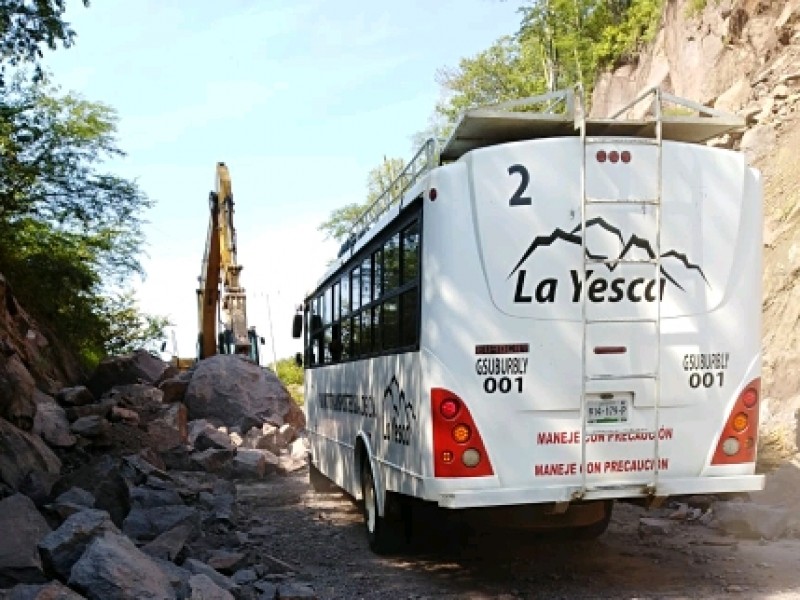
(562, 116)
(422, 162)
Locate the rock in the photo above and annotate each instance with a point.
(75, 396)
(145, 524)
(19, 556)
(138, 367)
(651, 526)
(244, 577)
(197, 567)
(248, 464)
(102, 477)
(203, 588)
(124, 415)
(269, 590)
(62, 548)
(749, 520)
(735, 97)
(50, 422)
(72, 501)
(136, 468)
(112, 567)
(54, 590)
(146, 497)
(195, 427)
(212, 438)
(212, 460)
(170, 544)
(92, 427)
(174, 389)
(26, 459)
(263, 438)
(226, 561)
(296, 591)
(221, 501)
(101, 409)
(178, 577)
(169, 429)
(286, 435)
(781, 92)
(16, 393)
(238, 393)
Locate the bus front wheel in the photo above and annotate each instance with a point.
(382, 534)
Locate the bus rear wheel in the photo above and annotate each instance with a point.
(383, 535)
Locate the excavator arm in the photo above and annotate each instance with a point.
(221, 301)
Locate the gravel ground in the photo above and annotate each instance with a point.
(318, 539)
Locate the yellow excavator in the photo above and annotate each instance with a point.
(221, 301)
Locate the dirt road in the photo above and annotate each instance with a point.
(318, 539)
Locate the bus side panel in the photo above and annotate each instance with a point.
(381, 398)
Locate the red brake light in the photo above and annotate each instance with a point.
(737, 441)
(458, 449)
(449, 408)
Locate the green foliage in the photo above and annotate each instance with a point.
(291, 375)
(68, 231)
(127, 327)
(28, 25)
(504, 71)
(341, 222)
(289, 372)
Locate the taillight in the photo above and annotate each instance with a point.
(737, 442)
(458, 449)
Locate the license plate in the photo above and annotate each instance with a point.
(607, 410)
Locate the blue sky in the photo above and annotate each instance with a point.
(299, 98)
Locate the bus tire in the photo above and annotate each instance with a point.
(319, 483)
(382, 534)
(590, 532)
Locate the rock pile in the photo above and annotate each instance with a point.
(125, 487)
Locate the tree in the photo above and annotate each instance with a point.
(351, 218)
(70, 234)
(28, 25)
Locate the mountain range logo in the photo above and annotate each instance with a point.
(633, 242)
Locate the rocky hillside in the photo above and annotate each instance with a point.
(743, 56)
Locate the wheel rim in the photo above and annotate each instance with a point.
(369, 502)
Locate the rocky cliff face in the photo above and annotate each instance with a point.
(742, 56)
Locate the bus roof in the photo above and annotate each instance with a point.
(498, 124)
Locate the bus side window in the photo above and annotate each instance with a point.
(336, 343)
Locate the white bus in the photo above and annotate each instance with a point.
(555, 313)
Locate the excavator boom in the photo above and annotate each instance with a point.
(221, 301)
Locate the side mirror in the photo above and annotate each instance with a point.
(163, 346)
(261, 339)
(297, 326)
(298, 359)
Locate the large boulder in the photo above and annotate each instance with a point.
(25, 460)
(16, 392)
(230, 390)
(22, 528)
(112, 567)
(103, 478)
(138, 367)
(62, 548)
(51, 422)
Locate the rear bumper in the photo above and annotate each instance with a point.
(441, 492)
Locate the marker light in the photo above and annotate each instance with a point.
(740, 422)
(730, 446)
(447, 456)
(613, 156)
(750, 397)
(432, 193)
(601, 156)
(461, 433)
(626, 156)
(471, 457)
(449, 408)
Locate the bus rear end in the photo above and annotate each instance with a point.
(590, 322)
